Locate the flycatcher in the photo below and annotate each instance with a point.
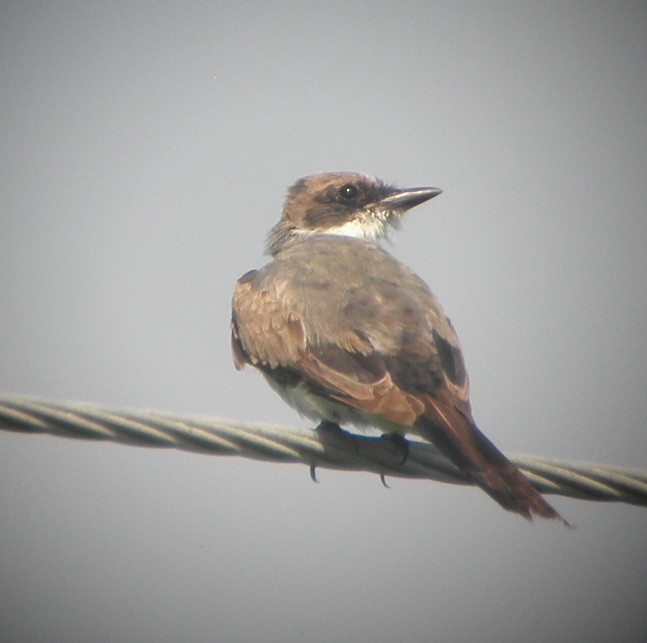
(349, 335)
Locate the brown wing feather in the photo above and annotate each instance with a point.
(353, 378)
(270, 334)
(377, 395)
(273, 337)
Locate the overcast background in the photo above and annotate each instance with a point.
(145, 152)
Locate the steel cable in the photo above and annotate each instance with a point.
(322, 448)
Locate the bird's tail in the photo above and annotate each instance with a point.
(456, 435)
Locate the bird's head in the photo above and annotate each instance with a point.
(343, 203)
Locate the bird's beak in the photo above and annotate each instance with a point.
(408, 198)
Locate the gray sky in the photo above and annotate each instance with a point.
(146, 149)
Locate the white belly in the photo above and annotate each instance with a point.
(318, 408)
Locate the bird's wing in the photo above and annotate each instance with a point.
(270, 334)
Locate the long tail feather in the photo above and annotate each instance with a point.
(457, 436)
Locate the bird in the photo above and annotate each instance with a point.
(348, 335)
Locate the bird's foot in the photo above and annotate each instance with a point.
(398, 444)
(330, 433)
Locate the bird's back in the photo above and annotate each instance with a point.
(339, 282)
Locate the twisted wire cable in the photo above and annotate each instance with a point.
(322, 448)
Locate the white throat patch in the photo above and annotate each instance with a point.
(371, 227)
(370, 230)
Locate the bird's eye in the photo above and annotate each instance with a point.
(348, 192)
